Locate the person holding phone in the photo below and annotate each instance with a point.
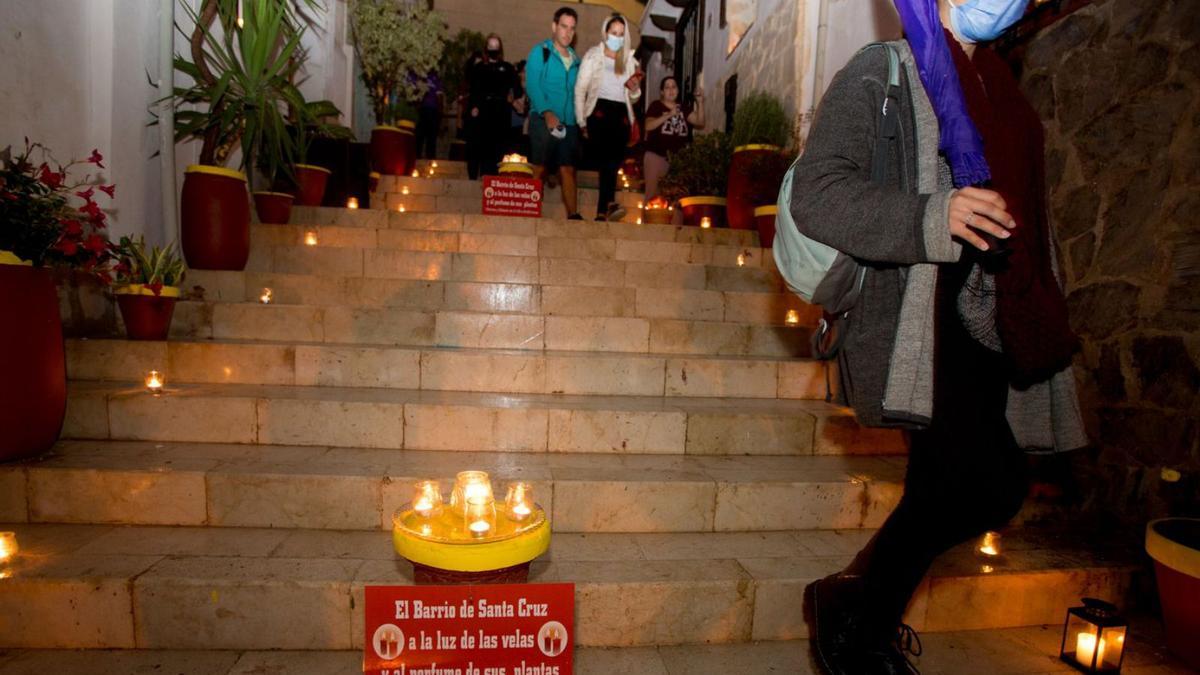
(609, 83)
(669, 125)
(551, 71)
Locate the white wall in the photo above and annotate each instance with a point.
(74, 78)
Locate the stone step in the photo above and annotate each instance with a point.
(319, 216)
(455, 170)
(442, 369)
(394, 202)
(468, 421)
(230, 589)
(367, 326)
(407, 186)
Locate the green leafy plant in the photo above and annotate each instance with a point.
(699, 168)
(154, 269)
(453, 65)
(397, 44)
(243, 83)
(760, 118)
(48, 218)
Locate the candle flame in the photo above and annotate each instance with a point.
(266, 296)
(990, 544)
(792, 318)
(352, 203)
(639, 220)
(154, 381)
(416, 173)
(741, 260)
(706, 222)
(310, 238)
(8, 546)
(404, 190)
(400, 208)
(433, 164)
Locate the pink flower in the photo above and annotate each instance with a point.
(108, 190)
(73, 228)
(96, 158)
(92, 210)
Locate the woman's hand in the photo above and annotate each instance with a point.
(973, 209)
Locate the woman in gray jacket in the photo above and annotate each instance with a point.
(967, 347)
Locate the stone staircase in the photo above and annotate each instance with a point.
(643, 378)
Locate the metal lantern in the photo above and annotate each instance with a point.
(1094, 637)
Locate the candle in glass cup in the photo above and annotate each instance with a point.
(1085, 649)
(480, 512)
(706, 222)
(352, 203)
(519, 502)
(266, 296)
(792, 318)
(404, 190)
(310, 238)
(427, 499)
(155, 382)
(8, 546)
(416, 173)
(470, 485)
(989, 545)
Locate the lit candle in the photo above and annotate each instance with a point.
(792, 318)
(433, 164)
(989, 545)
(639, 206)
(518, 503)
(265, 298)
(8, 546)
(479, 514)
(987, 569)
(639, 220)
(741, 260)
(400, 208)
(470, 485)
(1085, 649)
(352, 203)
(154, 382)
(427, 498)
(706, 222)
(404, 190)
(620, 172)
(416, 173)
(310, 238)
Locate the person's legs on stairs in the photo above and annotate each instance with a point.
(569, 194)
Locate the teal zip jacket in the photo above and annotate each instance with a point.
(550, 86)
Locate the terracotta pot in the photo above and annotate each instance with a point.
(147, 316)
(394, 149)
(1174, 544)
(215, 218)
(517, 574)
(764, 220)
(310, 184)
(697, 208)
(273, 207)
(740, 210)
(657, 216)
(33, 392)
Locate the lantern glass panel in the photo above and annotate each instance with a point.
(1094, 638)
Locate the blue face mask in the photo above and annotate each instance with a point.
(614, 42)
(984, 20)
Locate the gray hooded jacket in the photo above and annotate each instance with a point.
(900, 231)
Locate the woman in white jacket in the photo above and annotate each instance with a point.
(609, 83)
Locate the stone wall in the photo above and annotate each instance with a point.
(1118, 87)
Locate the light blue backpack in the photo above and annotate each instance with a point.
(821, 274)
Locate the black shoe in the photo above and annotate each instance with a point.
(574, 216)
(832, 608)
(600, 218)
(615, 212)
(897, 659)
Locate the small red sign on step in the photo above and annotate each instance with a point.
(512, 196)
(507, 629)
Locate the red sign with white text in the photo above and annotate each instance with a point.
(512, 196)
(505, 629)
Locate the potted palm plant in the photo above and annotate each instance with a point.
(46, 220)
(696, 178)
(397, 44)
(242, 86)
(760, 127)
(147, 287)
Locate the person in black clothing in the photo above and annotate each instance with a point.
(429, 117)
(468, 126)
(493, 82)
(519, 137)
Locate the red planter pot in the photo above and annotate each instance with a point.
(740, 210)
(33, 392)
(424, 574)
(147, 316)
(764, 221)
(695, 209)
(394, 149)
(273, 207)
(311, 181)
(1174, 544)
(215, 218)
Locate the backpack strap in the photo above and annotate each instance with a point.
(836, 324)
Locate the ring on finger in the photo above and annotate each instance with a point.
(970, 219)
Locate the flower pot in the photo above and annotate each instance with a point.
(424, 574)
(740, 210)
(310, 184)
(394, 149)
(657, 216)
(764, 221)
(215, 218)
(33, 393)
(273, 207)
(696, 208)
(1174, 544)
(147, 316)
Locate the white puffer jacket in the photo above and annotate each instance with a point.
(587, 86)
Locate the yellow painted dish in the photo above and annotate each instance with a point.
(216, 171)
(516, 167)
(702, 201)
(139, 289)
(1173, 554)
(314, 168)
(10, 258)
(766, 210)
(402, 129)
(758, 146)
(447, 546)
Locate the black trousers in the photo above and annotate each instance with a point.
(429, 122)
(608, 132)
(966, 475)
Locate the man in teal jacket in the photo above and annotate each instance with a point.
(550, 73)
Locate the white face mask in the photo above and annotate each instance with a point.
(614, 42)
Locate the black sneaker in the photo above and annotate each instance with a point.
(834, 608)
(574, 216)
(615, 212)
